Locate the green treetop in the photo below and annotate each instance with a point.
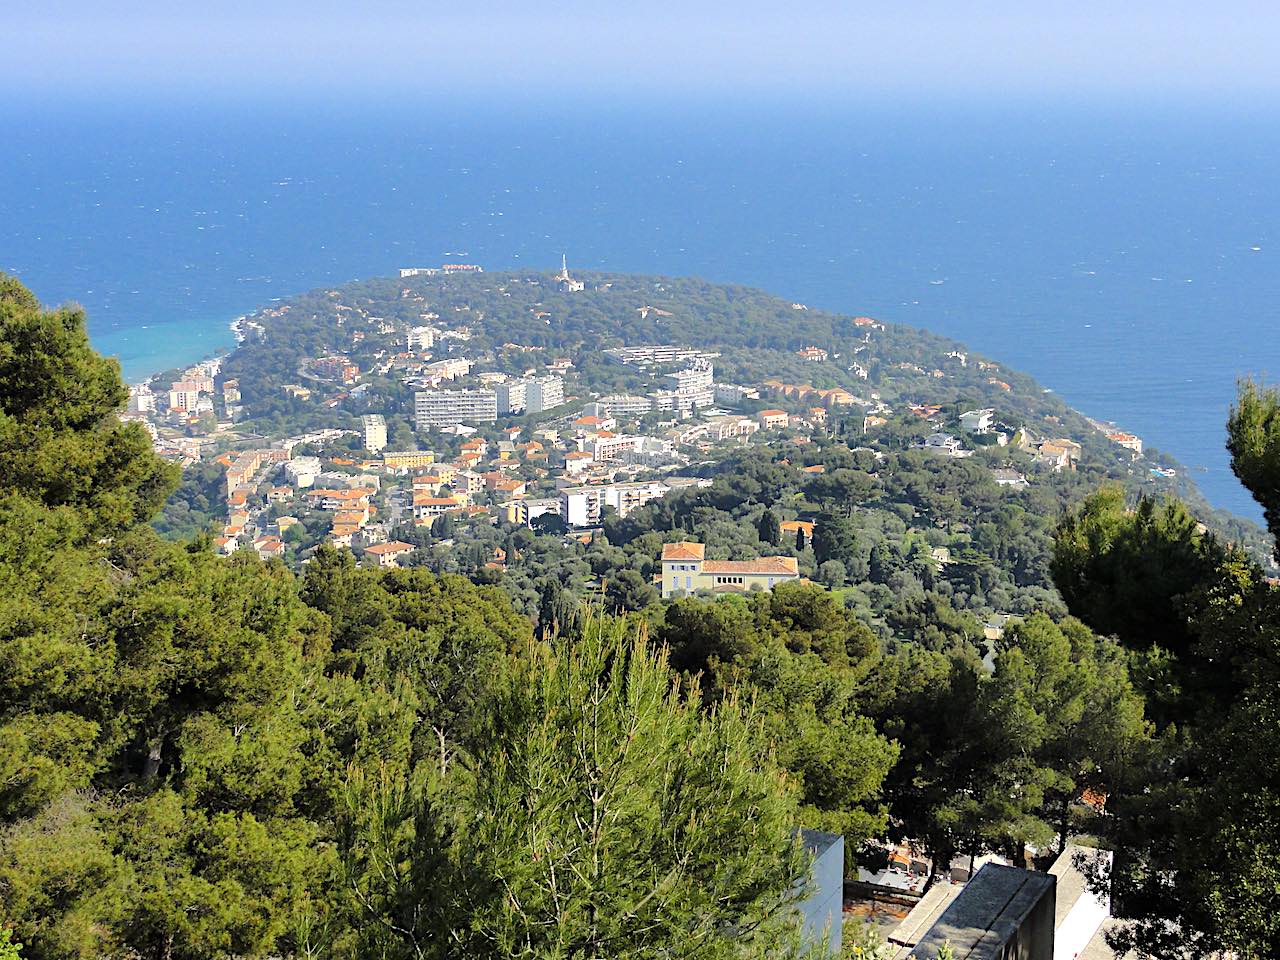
(60, 442)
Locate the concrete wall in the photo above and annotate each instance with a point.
(823, 910)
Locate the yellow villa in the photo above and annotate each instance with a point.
(686, 571)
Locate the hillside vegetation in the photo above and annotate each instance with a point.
(204, 757)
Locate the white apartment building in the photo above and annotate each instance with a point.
(656, 354)
(544, 393)
(375, 432)
(613, 448)
(421, 338)
(683, 401)
(652, 452)
(621, 405)
(583, 506)
(732, 394)
(447, 408)
(512, 396)
(141, 399)
(699, 375)
(302, 471)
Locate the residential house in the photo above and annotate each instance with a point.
(1007, 477)
(685, 570)
(943, 443)
(977, 421)
(1126, 440)
(387, 554)
(1059, 454)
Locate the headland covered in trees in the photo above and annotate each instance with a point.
(514, 737)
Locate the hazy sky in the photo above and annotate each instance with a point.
(922, 47)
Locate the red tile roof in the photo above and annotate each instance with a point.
(393, 547)
(683, 551)
(782, 566)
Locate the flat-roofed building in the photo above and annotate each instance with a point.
(1003, 913)
(699, 375)
(407, 459)
(375, 432)
(583, 506)
(421, 338)
(448, 408)
(544, 393)
(621, 405)
(512, 396)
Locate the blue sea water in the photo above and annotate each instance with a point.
(1128, 257)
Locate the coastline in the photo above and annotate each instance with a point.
(147, 350)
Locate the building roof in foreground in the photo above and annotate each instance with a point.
(683, 551)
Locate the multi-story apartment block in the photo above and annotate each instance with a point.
(421, 338)
(448, 408)
(512, 396)
(733, 394)
(684, 401)
(583, 506)
(613, 448)
(183, 397)
(302, 471)
(141, 399)
(656, 354)
(407, 459)
(622, 405)
(375, 432)
(699, 375)
(335, 368)
(544, 393)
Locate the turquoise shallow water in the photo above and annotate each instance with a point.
(1128, 259)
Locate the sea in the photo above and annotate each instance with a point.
(1126, 255)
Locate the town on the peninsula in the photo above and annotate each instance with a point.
(406, 427)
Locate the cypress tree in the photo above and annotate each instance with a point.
(769, 529)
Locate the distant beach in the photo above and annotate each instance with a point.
(145, 351)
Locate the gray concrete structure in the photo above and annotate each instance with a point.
(1003, 913)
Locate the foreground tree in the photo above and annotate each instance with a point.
(601, 812)
(61, 444)
(1196, 843)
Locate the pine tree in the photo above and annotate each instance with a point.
(606, 815)
(61, 444)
